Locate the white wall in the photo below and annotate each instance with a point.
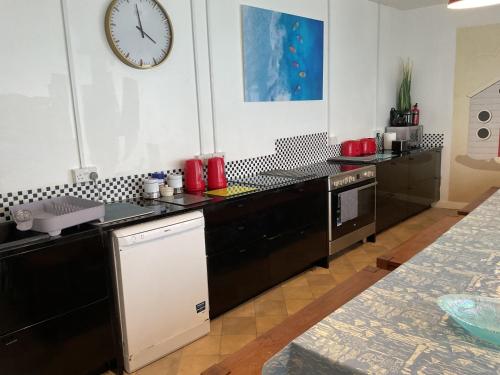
(428, 37)
(242, 129)
(132, 121)
(37, 132)
(353, 68)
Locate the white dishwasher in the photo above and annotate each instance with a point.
(161, 279)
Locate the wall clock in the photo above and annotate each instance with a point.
(139, 32)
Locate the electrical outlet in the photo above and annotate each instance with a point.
(81, 175)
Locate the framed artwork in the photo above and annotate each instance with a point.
(282, 56)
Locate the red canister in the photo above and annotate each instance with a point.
(368, 146)
(193, 174)
(216, 174)
(351, 148)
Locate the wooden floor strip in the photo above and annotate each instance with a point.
(478, 201)
(250, 359)
(408, 249)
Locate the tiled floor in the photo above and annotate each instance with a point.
(236, 328)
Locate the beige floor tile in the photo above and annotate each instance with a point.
(319, 290)
(320, 280)
(231, 343)
(216, 326)
(238, 326)
(270, 307)
(265, 323)
(166, 365)
(302, 292)
(294, 305)
(195, 364)
(247, 309)
(318, 271)
(275, 294)
(208, 345)
(297, 281)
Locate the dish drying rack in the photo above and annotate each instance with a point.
(52, 215)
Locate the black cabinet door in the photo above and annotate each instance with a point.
(407, 185)
(236, 275)
(422, 181)
(291, 223)
(76, 343)
(392, 193)
(51, 280)
(291, 253)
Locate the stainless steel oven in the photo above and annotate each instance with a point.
(351, 205)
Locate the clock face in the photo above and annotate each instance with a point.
(139, 32)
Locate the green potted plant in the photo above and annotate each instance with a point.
(404, 93)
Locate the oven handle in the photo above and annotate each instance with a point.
(368, 186)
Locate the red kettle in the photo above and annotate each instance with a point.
(216, 174)
(193, 174)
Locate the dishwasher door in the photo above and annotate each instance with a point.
(161, 276)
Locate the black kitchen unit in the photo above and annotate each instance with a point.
(407, 185)
(260, 240)
(55, 305)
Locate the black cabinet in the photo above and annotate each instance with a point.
(55, 307)
(236, 274)
(260, 240)
(78, 342)
(406, 186)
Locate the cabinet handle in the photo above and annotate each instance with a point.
(9, 341)
(243, 251)
(273, 237)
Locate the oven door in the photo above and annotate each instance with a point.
(351, 208)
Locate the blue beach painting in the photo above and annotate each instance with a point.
(282, 56)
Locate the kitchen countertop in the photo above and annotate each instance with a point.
(318, 170)
(389, 155)
(396, 326)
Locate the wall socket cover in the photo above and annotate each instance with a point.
(81, 175)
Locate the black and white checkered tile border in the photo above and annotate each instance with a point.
(433, 140)
(289, 153)
(108, 190)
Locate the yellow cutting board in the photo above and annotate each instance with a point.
(231, 190)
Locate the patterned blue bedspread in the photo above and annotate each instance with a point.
(396, 327)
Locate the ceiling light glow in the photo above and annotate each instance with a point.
(468, 4)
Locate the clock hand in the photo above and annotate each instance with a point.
(151, 39)
(140, 23)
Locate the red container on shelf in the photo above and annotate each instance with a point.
(368, 146)
(351, 148)
(193, 175)
(216, 173)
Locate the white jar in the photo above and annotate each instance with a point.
(174, 181)
(151, 188)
